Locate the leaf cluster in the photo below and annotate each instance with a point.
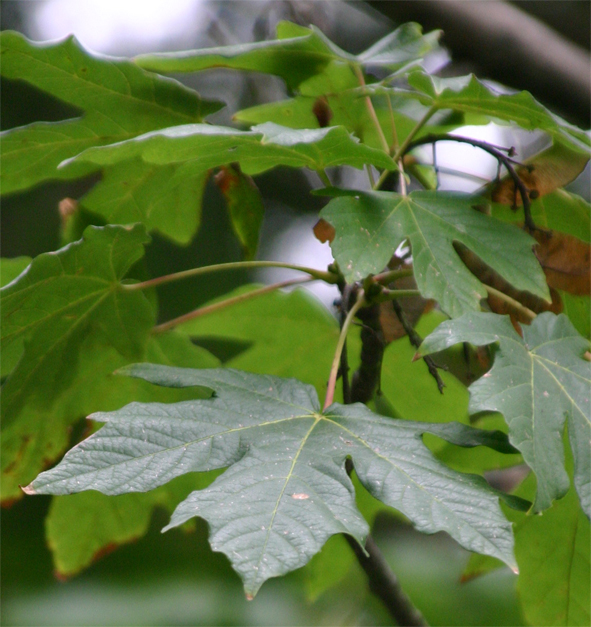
(72, 317)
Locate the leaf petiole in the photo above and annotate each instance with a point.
(320, 275)
(332, 379)
(203, 311)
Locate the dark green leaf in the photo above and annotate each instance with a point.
(286, 491)
(62, 298)
(245, 205)
(371, 225)
(537, 383)
(120, 101)
(264, 147)
(297, 54)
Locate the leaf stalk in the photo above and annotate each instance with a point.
(203, 311)
(332, 379)
(320, 275)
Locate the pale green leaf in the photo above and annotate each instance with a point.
(262, 148)
(537, 382)
(63, 297)
(468, 94)
(164, 198)
(119, 99)
(297, 54)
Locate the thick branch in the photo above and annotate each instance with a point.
(385, 585)
(507, 45)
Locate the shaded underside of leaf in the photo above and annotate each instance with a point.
(371, 225)
(537, 382)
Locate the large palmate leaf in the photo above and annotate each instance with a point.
(64, 296)
(286, 491)
(538, 382)
(371, 225)
(262, 148)
(297, 54)
(119, 99)
(468, 94)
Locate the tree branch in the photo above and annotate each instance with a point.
(507, 45)
(385, 585)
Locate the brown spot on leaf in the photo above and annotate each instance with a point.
(322, 111)
(324, 231)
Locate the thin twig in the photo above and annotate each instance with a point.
(513, 304)
(372, 112)
(415, 339)
(203, 311)
(344, 365)
(498, 155)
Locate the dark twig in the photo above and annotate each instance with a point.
(384, 583)
(498, 155)
(415, 340)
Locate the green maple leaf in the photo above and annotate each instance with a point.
(468, 94)
(264, 147)
(371, 225)
(297, 54)
(538, 382)
(63, 297)
(119, 99)
(286, 490)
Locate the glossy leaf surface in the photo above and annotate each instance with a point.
(265, 146)
(371, 225)
(286, 491)
(537, 382)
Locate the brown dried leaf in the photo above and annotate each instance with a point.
(566, 261)
(500, 306)
(542, 174)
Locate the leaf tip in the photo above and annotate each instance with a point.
(249, 596)
(417, 356)
(28, 489)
